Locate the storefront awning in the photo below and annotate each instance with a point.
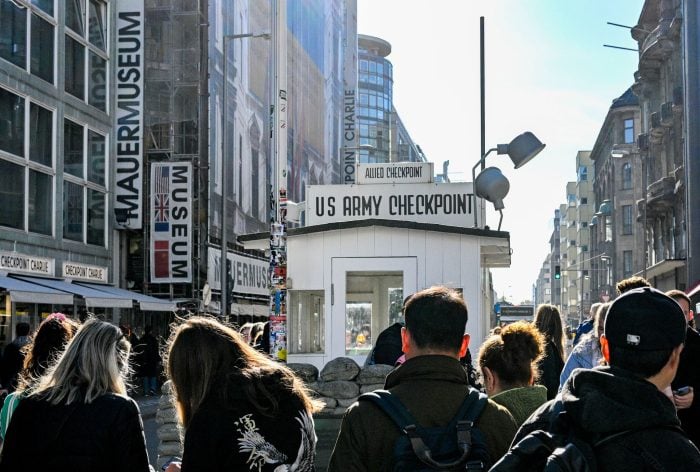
(26, 292)
(92, 297)
(146, 302)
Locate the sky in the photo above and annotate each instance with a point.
(546, 72)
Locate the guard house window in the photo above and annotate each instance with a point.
(629, 131)
(26, 181)
(626, 176)
(627, 219)
(626, 263)
(306, 322)
(86, 46)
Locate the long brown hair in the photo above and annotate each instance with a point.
(548, 322)
(513, 354)
(207, 359)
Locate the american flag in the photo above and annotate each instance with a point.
(162, 180)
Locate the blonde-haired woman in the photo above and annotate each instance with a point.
(548, 322)
(77, 416)
(240, 409)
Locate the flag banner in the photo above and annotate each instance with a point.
(171, 222)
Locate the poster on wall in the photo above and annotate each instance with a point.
(128, 126)
(171, 222)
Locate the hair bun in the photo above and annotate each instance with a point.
(522, 340)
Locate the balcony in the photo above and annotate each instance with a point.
(661, 195)
(657, 132)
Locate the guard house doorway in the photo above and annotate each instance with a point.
(367, 296)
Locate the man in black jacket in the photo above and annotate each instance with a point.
(13, 358)
(644, 335)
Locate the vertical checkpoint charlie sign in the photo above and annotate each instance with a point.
(128, 129)
(450, 204)
(349, 149)
(171, 225)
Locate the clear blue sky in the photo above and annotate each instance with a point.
(546, 71)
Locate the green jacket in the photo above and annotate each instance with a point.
(522, 402)
(432, 388)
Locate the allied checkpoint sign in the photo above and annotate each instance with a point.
(450, 204)
(395, 172)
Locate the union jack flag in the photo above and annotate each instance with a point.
(162, 207)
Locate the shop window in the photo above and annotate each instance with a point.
(306, 322)
(75, 68)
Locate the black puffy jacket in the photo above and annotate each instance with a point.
(105, 435)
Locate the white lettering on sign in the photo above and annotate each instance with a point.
(395, 172)
(74, 270)
(15, 262)
(446, 203)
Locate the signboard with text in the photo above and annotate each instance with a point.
(516, 313)
(171, 225)
(16, 262)
(450, 204)
(86, 272)
(249, 274)
(395, 173)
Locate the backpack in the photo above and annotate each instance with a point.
(456, 446)
(560, 449)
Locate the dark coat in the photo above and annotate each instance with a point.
(432, 388)
(689, 375)
(550, 368)
(233, 435)
(147, 357)
(607, 400)
(12, 363)
(105, 435)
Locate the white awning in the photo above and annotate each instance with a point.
(27, 292)
(92, 297)
(146, 302)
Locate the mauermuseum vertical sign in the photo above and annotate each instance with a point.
(349, 149)
(128, 129)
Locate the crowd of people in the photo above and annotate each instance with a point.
(622, 399)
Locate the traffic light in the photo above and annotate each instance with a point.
(557, 272)
(229, 280)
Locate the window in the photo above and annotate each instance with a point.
(626, 176)
(41, 131)
(626, 219)
(18, 24)
(26, 182)
(582, 173)
(11, 123)
(629, 131)
(73, 149)
(86, 45)
(306, 321)
(584, 224)
(13, 33)
(42, 49)
(626, 263)
(84, 187)
(584, 200)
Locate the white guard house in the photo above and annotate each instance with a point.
(367, 246)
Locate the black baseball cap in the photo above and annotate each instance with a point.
(645, 319)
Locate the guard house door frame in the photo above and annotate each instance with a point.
(340, 266)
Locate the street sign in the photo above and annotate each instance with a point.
(511, 314)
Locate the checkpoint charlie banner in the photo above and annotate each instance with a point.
(450, 204)
(171, 222)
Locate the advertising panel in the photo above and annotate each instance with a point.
(128, 126)
(171, 225)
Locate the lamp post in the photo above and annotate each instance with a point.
(224, 177)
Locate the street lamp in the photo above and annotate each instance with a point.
(491, 184)
(224, 181)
